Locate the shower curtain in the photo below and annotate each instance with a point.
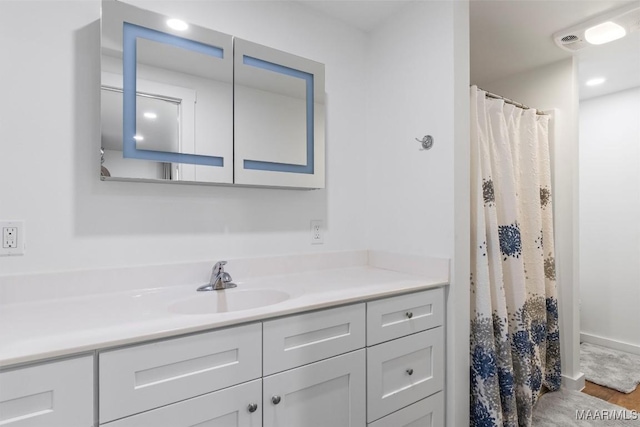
(515, 342)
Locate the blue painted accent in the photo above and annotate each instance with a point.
(131, 33)
(308, 78)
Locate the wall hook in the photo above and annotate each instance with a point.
(426, 141)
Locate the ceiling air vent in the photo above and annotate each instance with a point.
(571, 38)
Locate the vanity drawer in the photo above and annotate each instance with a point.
(428, 412)
(297, 340)
(56, 394)
(228, 407)
(143, 377)
(403, 371)
(396, 317)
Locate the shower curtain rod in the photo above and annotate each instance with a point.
(512, 102)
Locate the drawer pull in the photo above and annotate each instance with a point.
(252, 407)
(409, 314)
(410, 371)
(275, 400)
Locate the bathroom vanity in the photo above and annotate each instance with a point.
(364, 350)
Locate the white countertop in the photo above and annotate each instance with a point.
(35, 330)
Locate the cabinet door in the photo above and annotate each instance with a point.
(56, 394)
(278, 118)
(166, 98)
(226, 408)
(403, 371)
(322, 394)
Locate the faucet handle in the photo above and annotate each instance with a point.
(219, 267)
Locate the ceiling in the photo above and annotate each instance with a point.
(512, 36)
(364, 15)
(508, 37)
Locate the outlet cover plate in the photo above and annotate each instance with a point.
(16, 230)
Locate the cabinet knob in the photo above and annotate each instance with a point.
(252, 407)
(409, 314)
(275, 400)
(410, 371)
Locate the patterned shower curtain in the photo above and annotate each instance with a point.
(515, 342)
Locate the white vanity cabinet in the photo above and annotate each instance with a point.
(54, 394)
(408, 366)
(369, 364)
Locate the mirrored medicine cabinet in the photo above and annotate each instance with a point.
(185, 104)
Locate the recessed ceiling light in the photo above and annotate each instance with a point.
(177, 24)
(596, 81)
(604, 33)
(138, 137)
(150, 115)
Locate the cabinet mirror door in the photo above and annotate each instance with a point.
(166, 98)
(279, 118)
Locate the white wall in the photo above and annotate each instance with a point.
(410, 192)
(554, 87)
(610, 217)
(418, 71)
(51, 136)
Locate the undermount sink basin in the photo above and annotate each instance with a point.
(228, 300)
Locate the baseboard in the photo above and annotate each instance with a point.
(576, 383)
(606, 342)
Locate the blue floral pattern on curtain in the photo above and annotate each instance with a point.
(515, 340)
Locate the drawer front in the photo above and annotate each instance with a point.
(403, 371)
(56, 394)
(224, 408)
(298, 340)
(144, 377)
(428, 412)
(396, 317)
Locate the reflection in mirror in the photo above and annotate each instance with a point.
(166, 98)
(157, 130)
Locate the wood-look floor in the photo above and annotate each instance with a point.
(630, 401)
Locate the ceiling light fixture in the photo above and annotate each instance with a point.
(601, 29)
(150, 115)
(596, 81)
(604, 33)
(177, 24)
(138, 137)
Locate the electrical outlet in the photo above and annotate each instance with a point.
(316, 232)
(12, 235)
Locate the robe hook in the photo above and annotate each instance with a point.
(426, 141)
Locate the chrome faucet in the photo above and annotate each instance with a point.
(220, 279)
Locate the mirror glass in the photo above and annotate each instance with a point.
(167, 98)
